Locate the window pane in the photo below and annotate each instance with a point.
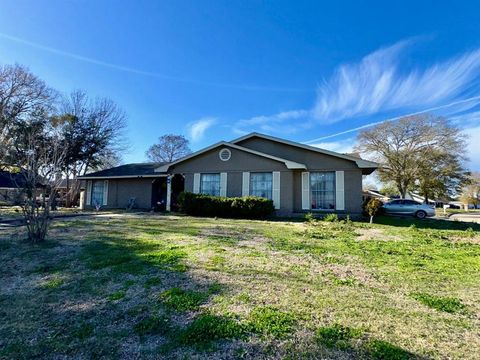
(97, 193)
(322, 187)
(261, 185)
(210, 184)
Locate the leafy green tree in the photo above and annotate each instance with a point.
(471, 191)
(423, 151)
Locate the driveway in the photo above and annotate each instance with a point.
(466, 217)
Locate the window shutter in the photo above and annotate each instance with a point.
(196, 183)
(246, 184)
(305, 191)
(276, 189)
(223, 184)
(105, 192)
(89, 192)
(340, 190)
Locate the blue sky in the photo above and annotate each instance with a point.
(213, 70)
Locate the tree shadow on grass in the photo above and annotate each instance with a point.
(437, 224)
(100, 302)
(360, 345)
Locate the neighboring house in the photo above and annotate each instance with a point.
(371, 193)
(10, 188)
(297, 177)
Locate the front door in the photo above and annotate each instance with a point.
(159, 194)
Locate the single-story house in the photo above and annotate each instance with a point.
(297, 177)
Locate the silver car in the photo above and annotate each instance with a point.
(408, 207)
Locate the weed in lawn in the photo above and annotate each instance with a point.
(117, 295)
(83, 331)
(245, 298)
(207, 328)
(382, 350)
(345, 282)
(152, 324)
(168, 259)
(52, 284)
(270, 321)
(215, 288)
(216, 263)
(337, 336)
(128, 283)
(446, 304)
(153, 281)
(183, 300)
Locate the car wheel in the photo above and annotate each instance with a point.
(421, 214)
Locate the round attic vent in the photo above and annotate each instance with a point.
(225, 154)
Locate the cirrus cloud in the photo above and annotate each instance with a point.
(197, 129)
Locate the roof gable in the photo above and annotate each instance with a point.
(361, 163)
(288, 163)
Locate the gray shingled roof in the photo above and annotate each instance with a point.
(133, 170)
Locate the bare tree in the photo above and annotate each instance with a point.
(21, 95)
(169, 148)
(38, 154)
(94, 131)
(424, 152)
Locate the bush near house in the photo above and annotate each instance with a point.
(249, 207)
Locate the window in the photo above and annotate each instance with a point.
(97, 192)
(322, 187)
(210, 184)
(261, 185)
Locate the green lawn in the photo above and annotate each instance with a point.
(154, 286)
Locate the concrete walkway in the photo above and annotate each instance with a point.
(466, 217)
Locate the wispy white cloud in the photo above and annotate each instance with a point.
(277, 123)
(342, 146)
(376, 84)
(380, 83)
(197, 129)
(85, 59)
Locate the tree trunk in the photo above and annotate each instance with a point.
(371, 219)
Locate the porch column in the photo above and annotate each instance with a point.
(169, 192)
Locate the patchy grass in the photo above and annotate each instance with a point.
(152, 325)
(117, 295)
(207, 328)
(270, 321)
(182, 300)
(446, 304)
(154, 286)
(337, 336)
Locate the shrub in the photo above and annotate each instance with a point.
(250, 207)
(310, 218)
(372, 207)
(330, 218)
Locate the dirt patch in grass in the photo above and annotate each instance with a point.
(375, 234)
